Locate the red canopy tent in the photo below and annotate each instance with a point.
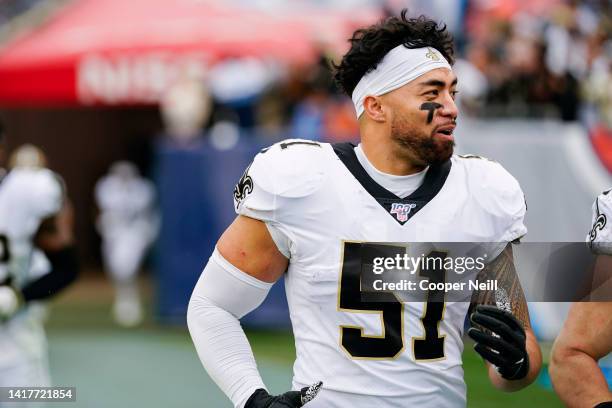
(112, 52)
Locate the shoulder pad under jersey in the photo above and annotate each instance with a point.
(291, 168)
(41, 189)
(497, 192)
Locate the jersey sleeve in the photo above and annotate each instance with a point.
(41, 191)
(275, 182)
(46, 193)
(600, 236)
(278, 177)
(255, 193)
(502, 198)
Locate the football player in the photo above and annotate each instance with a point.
(37, 260)
(313, 211)
(586, 336)
(128, 226)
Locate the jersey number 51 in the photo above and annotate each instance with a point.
(391, 343)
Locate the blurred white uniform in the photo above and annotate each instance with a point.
(128, 226)
(27, 196)
(320, 204)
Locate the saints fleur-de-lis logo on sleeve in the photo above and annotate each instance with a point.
(600, 223)
(243, 188)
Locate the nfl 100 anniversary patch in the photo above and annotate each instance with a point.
(402, 210)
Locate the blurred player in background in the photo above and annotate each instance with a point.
(313, 210)
(586, 337)
(37, 260)
(128, 224)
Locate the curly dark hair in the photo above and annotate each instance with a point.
(369, 45)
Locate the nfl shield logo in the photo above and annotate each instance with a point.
(402, 210)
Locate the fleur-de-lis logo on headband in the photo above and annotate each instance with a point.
(432, 54)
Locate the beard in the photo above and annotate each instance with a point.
(423, 149)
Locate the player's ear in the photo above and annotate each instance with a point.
(373, 108)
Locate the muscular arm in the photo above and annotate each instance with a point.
(235, 281)
(584, 339)
(55, 238)
(248, 246)
(503, 271)
(56, 232)
(601, 285)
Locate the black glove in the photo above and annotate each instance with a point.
(290, 399)
(505, 347)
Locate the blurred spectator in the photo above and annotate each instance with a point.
(322, 113)
(536, 57)
(185, 108)
(308, 118)
(237, 84)
(474, 83)
(128, 224)
(545, 58)
(340, 123)
(224, 133)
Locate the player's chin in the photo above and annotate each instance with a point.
(443, 150)
(433, 157)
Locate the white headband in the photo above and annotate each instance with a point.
(400, 66)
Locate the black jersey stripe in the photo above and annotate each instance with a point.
(432, 184)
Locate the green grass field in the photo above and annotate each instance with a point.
(156, 366)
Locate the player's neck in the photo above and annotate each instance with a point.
(383, 157)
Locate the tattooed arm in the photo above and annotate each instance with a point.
(509, 296)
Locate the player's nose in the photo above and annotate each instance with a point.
(449, 108)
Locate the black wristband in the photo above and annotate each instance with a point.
(607, 404)
(64, 270)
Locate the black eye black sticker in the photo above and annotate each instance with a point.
(431, 107)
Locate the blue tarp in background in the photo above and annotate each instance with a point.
(195, 187)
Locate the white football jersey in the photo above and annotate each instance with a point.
(386, 353)
(27, 196)
(600, 236)
(124, 203)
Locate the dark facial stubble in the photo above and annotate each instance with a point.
(420, 147)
